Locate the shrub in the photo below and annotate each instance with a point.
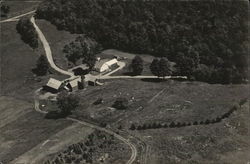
(132, 127)
(195, 123)
(137, 65)
(98, 101)
(121, 103)
(67, 102)
(42, 66)
(172, 125)
(207, 121)
(139, 127)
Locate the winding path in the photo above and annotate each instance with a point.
(52, 64)
(48, 50)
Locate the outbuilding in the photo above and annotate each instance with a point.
(73, 84)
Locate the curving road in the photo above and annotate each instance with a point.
(48, 50)
(52, 64)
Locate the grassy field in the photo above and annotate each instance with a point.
(23, 128)
(161, 102)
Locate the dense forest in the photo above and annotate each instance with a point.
(207, 40)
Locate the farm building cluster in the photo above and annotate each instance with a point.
(81, 80)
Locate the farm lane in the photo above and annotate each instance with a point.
(48, 50)
(16, 17)
(142, 77)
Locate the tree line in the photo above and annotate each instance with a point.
(184, 124)
(207, 40)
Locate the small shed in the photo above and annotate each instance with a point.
(53, 85)
(73, 84)
(105, 64)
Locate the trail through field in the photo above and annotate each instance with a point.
(158, 94)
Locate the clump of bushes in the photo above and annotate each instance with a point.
(121, 103)
(28, 33)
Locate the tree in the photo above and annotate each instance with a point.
(82, 48)
(154, 67)
(161, 68)
(5, 10)
(42, 66)
(164, 68)
(132, 127)
(137, 65)
(28, 33)
(67, 102)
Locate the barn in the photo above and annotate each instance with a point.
(105, 64)
(53, 85)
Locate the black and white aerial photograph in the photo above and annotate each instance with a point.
(124, 82)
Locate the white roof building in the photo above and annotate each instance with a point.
(104, 65)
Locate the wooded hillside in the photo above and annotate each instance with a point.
(207, 40)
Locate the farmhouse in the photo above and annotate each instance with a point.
(105, 65)
(53, 85)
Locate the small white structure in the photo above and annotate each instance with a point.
(105, 65)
